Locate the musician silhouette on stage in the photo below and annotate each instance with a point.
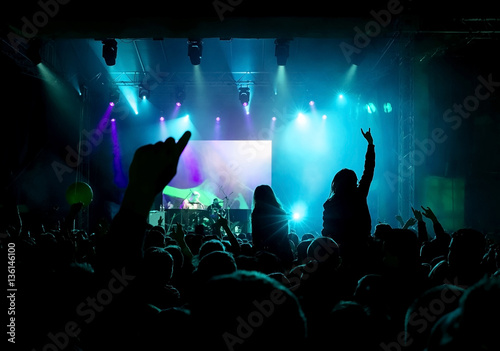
(215, 207)
(193, 202)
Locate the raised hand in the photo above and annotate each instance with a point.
(154, 166)
(178, 233)
(400, 220)
(417, 214)
(368, 136)
(178, 236)
(222, 221)
(429, 214)
(410, 222)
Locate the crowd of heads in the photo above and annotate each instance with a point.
(402, 295)
(129, 284)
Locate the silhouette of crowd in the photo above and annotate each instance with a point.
(138, 286)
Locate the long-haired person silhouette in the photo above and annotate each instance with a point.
(270, 225)
(346, 217)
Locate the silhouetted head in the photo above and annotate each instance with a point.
(211, 246)
(416, 336)
(467, 247)
(381, 229)
(177, 256)
(215, 263)
(264, 195)
(157, 265)
(294, 238)
(474, 321)
(307, 236)
(267, 262)
(247, 311)
(344, 181)
(154, 238)
(324, 249)
(400, 249)
(343, 324)
(302, 250)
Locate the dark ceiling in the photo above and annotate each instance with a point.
(438, 27)
(241, 18)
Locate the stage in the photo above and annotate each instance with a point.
(238, 220)
(431, 105)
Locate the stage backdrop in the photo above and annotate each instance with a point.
(225, 169)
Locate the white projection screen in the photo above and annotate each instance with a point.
(228, 170)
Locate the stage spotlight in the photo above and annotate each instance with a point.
(195, 48)
(217, 119)
(143, 93)
(109, 51)
(281, 51)
(114, 96)
(301, 118)
(299, 211)
(370, 108)
(311, 103)
(180, 95)
(244, 95)
(162, 119)
(341, 100)
(387, 107)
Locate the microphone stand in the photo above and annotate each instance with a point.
(226, 200)
(170, 225)
(183, 211)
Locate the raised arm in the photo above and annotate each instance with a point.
(366, 178)
(232, 239)
(421, 227)
(179, 236)
(152, 168)
(438, 228)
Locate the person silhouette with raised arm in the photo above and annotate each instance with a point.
(121, 251)
(346, 217)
